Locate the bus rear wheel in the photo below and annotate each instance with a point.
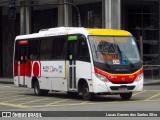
(38, 91)
(85, 92)
(126, 96)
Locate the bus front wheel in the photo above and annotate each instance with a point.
(85, 92)
(39, 91)
(126, 96)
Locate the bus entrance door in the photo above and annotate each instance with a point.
(23, 46)
(72, 51)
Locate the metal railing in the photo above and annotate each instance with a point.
(152, 71)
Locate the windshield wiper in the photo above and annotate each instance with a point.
(123, 55)
(106, 62)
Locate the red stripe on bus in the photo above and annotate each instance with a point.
(119, 77)
(15, 68)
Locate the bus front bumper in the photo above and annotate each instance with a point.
(108, 87)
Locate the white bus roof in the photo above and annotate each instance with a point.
(74, 30)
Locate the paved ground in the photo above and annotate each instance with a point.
(23, 99)
(12, 97)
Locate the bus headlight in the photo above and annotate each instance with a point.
(101, 77)
(140, 77)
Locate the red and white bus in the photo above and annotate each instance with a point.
(78, 60)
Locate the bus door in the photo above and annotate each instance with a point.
(23, 47)
(72, 53)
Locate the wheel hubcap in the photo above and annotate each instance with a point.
(86, 92)
(36, 89)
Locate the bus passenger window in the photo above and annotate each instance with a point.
(16, 57)
(23, 53)
(83, 51)
(46, 49)
(59, 48)
(34, 49)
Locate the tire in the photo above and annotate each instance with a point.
(38, 91)
(126, 96)
(86, 95)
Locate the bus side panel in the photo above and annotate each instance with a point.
(15, 68)
(16, 73)
(16, 80)
(58, 74)
(59, 84)
(28, 71)
(22, 69)
(19, 73)
(84, 70)
(52, 76)
(45, 83)
(54, 69)
(28, 81)
(28, 66)
(25, 72)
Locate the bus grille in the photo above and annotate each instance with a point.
(119, 87)
(122, 82)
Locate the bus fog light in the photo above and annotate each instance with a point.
(102, 78)
(139, 78)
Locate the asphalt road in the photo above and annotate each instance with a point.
(23, 99)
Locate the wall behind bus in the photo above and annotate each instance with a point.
(1, 53)
(10, 29)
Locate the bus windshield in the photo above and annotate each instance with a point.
(114, 50)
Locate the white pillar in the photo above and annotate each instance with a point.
(65, 13)
(28, 18)
(25, 18)
(22, 19)
(111, 14)
(61, 13)
(1, 45)
(68, 13)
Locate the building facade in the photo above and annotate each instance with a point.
(140, 17)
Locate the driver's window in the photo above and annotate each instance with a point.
(83, 51)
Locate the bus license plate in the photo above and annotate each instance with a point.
(123, 88)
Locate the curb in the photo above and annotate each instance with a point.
(151, 83)
(6, 80)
